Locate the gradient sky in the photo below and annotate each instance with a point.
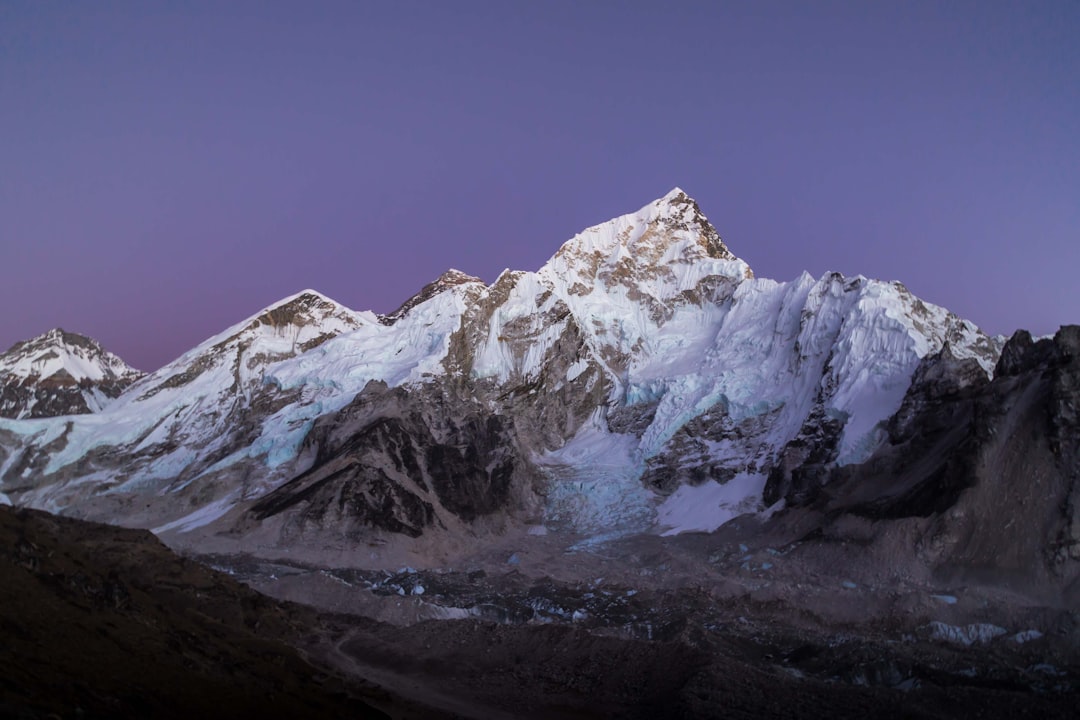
(167, 169)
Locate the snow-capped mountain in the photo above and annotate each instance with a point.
(876, 478)
(173, 423)
(643, 370)
(60, 373)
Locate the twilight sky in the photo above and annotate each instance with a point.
(167, 169)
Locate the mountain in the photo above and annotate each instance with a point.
(198, 409)
(823, 494)
(641, 371)
(60, 373)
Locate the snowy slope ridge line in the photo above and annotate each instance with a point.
(643, 373)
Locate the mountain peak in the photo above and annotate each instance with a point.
(291, 326)
(60, 373)
(661, 240)
(58, 350)
(449, 279)
(302, 308)
(308, 296)
(684, 212)
(54, 337)
(453, 276)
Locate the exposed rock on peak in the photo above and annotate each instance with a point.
(685, 213)
(453, 276)
(60, 373)
(287, 328)
(300, 309)
(309, 318)
(59, 350)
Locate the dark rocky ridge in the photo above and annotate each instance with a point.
(979, 480)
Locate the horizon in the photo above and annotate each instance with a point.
(206, 162)
(312, 290)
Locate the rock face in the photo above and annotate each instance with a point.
(60, 373)
(979, 478)
(641, 373)
(399, 462)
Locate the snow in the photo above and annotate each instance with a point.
(595, 482)
(410, 350)
(1047, 669)
(704, 508)
(575, 370)
(70, 363)
(1026, 636)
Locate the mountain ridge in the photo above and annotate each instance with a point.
(643, 341)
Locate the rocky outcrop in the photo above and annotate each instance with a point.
(401, 461)
(984, 473)
(450, 278)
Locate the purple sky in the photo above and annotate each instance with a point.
(167, 169)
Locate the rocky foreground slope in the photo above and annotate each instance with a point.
(102, 622)
(99, 622)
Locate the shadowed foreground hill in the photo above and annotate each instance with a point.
(98, 621)
(104, 622)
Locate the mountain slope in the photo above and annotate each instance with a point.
(196, 411)
(102, 622)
